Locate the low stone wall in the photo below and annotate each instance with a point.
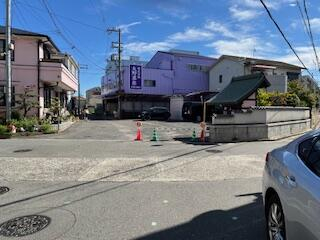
(266, 123)
(63, 126)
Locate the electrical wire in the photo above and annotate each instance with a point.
(33, 7)
(284, 37)
(62, 35)
(311, 35)
(99, 12)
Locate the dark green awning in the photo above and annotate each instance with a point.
(239, 89)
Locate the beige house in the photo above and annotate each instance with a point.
(93, 97)
(227, 67)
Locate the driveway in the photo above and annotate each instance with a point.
(95, 182)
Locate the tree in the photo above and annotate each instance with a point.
(27, 100)
(308, 97)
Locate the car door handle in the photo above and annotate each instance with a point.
(291, 180)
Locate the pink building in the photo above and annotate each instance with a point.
(38, 64)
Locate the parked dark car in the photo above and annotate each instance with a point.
(159, 113)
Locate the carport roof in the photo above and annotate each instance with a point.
(239, 89)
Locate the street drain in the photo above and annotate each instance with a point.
(4, 190)
(23, 226)
(22, 150)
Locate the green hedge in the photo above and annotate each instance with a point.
(265, 98)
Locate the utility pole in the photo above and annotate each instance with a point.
(80, 66)
(118, 46)
(8, 60)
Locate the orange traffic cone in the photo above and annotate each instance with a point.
(202, 136)
(139, 135)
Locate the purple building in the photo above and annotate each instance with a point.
(153, 83)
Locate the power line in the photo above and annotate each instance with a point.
(19, 14)
(60, 32)
(302, 17)
(99, 12)
(284, 37)
(310, 34)
(32, 7)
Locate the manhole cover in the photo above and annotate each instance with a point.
(4, 190)
(23, 226)
(22, 150)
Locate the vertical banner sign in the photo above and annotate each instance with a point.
(135, 76)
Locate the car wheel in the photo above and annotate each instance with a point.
(147, 118)
(275, 219)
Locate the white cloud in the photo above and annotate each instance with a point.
(315, 24)
(126, 27)
(243, 47)
(243, 14)
(305, 53)
(271, 4)
(155, 18)
(219, 28)
(144, 47)
(174, 8)
(191, 35)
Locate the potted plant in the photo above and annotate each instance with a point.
(4, 133)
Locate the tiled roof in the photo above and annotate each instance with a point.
(17, 31)
(239, 89)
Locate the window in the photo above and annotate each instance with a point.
(305, 148)
(220, 78)
(149, 83)
(3, 50)
(309, 152)
(198, 68)
(3, 96)
(47, 97)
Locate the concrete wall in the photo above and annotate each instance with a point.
(253, 132)
(278, 83)
(176, 104)
(266, 123)
(228, 69)
(263, 115)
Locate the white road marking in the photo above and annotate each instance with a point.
(165, 201)
(153, 224)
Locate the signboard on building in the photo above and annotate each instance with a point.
(135, 76)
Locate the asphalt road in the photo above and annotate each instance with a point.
(95, 182)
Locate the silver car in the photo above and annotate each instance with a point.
(291, 189)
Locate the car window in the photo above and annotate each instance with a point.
(313, 161)
(305, 148)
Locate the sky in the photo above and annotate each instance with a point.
(211, 27)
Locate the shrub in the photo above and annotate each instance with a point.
(27, 123)
(3, 129)
(292, 99)
(4, 133)
(308, 97)
(46, 128)
(265, 98)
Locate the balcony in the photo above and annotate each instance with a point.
(53, 72)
